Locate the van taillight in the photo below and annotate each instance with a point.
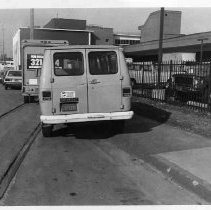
(46, 95)
(126, 92)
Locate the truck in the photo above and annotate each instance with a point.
(31, 60)
(28, 53)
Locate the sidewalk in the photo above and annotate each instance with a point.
(190, 168)
(182, 117)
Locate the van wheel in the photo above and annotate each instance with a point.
(26, 99)
(5, 87)
(47, 130)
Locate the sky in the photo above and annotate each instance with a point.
(123, 15)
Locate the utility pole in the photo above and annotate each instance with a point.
(160, 51)
(3, 42)
(201, 48)
(31, 23)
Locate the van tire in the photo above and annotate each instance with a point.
(47, 130)
(26, 99)
(5, 87)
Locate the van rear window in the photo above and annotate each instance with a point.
(68, 64)
(103, 62)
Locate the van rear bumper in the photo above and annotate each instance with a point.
(59, 119)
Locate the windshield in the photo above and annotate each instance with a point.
(14, 74)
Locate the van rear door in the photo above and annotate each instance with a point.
(69, 82)
(104, 81)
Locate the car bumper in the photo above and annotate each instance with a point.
(59, 119)
(13, 84)
(30, 90)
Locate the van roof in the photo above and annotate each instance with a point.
(83, 47)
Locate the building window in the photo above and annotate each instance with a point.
(117, 41)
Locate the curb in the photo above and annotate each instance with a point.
(186, 120)
(172, 171)
(181, 176)
(15, 164)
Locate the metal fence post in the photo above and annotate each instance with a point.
(171, 68)
(142, 79)
(209, 89)
(143, 74)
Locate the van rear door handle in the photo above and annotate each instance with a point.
(94, 81)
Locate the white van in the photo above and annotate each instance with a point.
(84, 83)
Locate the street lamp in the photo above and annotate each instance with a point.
(201, 50)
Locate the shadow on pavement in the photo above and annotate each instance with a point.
(151, 112)
(106, 129)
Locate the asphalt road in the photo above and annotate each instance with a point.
(87, 165)
(9, 99)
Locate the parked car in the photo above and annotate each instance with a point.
(184, 86)
(13, 79)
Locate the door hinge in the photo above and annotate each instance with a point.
(51, 80)
(53, 110)
(121, 78)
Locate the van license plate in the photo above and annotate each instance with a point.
(69, 107)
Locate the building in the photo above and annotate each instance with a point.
(151, 28)
(126, 39)
(77, 37)
(71, 35)
(105, 36)
(61, 23)
(173, 40)
(102, 35)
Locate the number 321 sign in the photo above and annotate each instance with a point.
(34, 61)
